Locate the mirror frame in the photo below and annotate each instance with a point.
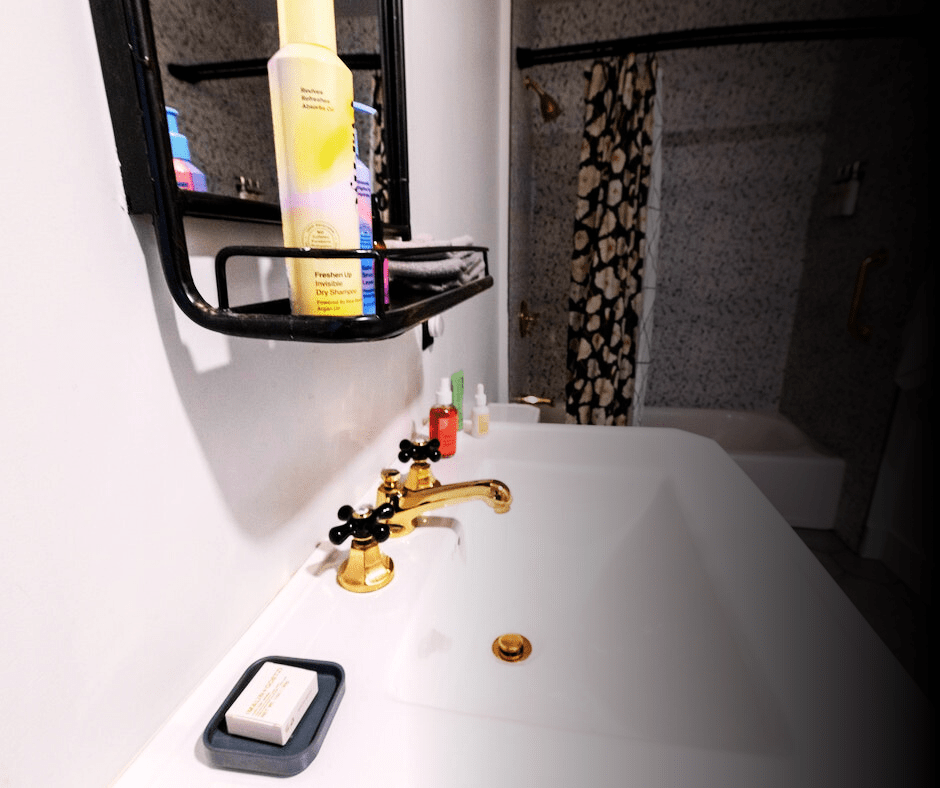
(130, 68)
(124, 30)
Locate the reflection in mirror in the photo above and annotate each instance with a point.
(228, 121)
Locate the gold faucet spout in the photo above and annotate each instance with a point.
(491, 491)
(411, 505)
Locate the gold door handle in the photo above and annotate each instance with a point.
(532, 399)
(855, 328)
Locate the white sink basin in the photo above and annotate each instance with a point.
(599, 564)
(666, 602)
(629, 634)
(682, 635)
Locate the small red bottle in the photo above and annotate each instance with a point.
(443, 424)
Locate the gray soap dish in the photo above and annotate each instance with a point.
(226, 751)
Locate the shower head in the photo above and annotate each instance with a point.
(547, 105)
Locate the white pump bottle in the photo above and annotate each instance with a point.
(479, 414)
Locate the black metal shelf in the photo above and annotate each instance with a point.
(128, 52)
(408, 307)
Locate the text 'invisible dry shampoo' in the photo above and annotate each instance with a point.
(311, 105)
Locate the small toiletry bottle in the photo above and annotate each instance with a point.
(378, 241)
(364, 204)
(443, 425)
(188, 175)
(456, 392)
(479, 414)
(364, 201)
(312, 113)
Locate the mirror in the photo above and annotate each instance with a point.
(227, 120)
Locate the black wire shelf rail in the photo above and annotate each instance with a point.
(408, 306)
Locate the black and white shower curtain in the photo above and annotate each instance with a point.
(605, 299)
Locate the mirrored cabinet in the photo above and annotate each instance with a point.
(207, 60)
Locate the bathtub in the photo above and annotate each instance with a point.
(799, 478)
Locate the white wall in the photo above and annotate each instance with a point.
(158, 483)
(457, 60)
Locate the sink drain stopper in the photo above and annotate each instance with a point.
(512, 647)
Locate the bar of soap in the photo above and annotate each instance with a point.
(275, 700)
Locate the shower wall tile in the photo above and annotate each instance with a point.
(228, 122)
(738, 91)
(538, 362)
(744, 130)
(742, 150)
(754, 280)
(879, 116)
(731, 264)
(571, 21)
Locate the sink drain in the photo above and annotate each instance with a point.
(512, 647)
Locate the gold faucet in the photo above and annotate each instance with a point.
(367, 568)
(413, 504)
(423, 452)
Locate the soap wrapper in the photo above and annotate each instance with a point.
(273, 703)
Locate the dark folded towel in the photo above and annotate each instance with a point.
(439, 273)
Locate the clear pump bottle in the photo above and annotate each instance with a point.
(479, 414)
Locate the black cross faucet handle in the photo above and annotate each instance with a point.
(362, 523)
(419, 450)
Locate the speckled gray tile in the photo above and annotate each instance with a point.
(228, 122)
(753, 287)
(838, 389)
(741, 159)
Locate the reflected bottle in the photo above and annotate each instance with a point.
(188, 175)
(364, 203)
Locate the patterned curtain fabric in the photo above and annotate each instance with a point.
(605, 300)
